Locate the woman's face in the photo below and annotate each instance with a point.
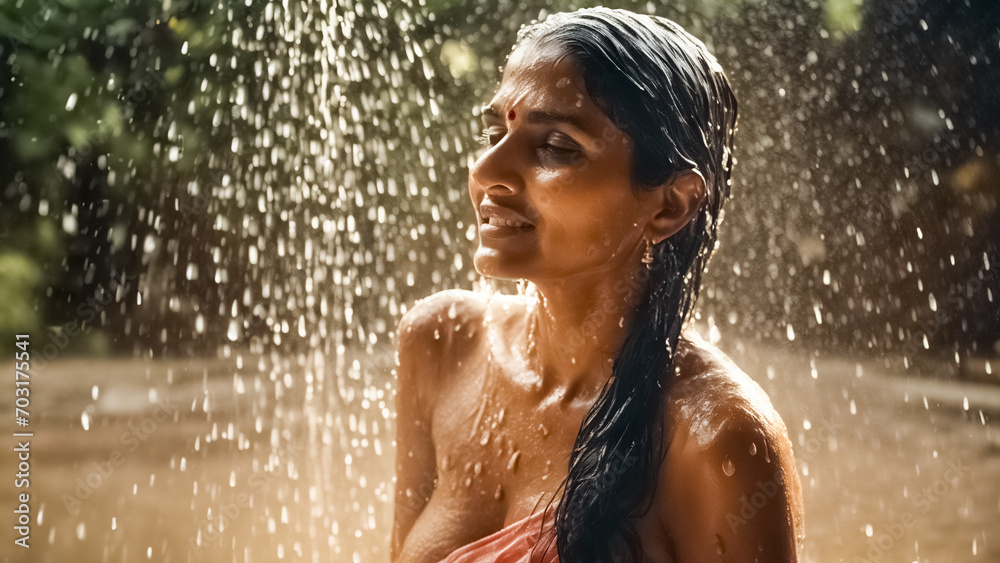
(552, 189)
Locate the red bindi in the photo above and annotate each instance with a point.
(511, 115)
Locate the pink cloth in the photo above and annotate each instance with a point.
(523, 541)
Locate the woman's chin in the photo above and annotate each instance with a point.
(492, 266)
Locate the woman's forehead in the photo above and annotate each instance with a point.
(541, 75)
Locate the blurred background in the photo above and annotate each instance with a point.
(212, 215)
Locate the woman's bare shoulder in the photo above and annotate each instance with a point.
(436, 324)
(711, 393)
(727, 444)
(431, 335)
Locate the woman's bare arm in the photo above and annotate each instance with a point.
(734, 498)
(432, 335)
(415, 460)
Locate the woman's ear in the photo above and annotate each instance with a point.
(680, 199)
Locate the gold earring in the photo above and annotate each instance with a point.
(647, 257)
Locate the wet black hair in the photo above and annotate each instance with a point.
(662, 88)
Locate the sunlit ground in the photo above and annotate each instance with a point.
(893, 469)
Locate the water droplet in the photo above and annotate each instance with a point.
(485, 438)
(500, 416)
(543, 430)
(468, 482)
(445, 463)
(753, 448)
(477, 469)
(499, 492)
(728, 468)
(720, 547)
(512, 464)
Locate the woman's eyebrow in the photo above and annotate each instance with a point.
(539, 116)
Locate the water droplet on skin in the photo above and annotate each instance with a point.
(479, 418)
(468, 482)
(485, 438)
(500, 416)
(478, 469)
(753, 448)
(562, 83)
(499, 492)
(445, 463)
(512, 464)
(543, 430)
(728, 468)
(720, 547)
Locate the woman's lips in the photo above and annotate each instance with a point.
(487, 230)
(497, 221)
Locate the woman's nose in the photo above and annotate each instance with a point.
(498, 171)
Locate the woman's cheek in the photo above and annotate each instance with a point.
(554, 184)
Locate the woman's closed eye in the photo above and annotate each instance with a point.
(561, 147)
(556, 146)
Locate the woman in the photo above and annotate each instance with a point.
(575, 421)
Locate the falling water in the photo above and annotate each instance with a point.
(273, 184)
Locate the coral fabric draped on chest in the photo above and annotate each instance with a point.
(528, 540)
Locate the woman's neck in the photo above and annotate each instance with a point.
(581, 326)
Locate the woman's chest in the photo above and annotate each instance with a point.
(499, 447)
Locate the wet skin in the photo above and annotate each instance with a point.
(487, 417)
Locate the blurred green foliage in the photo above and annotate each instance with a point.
(20, 281)
(84, 85)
